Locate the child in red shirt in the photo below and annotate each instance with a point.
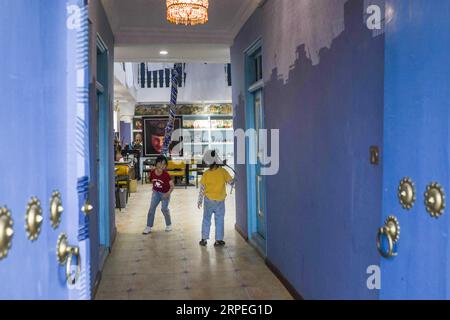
(162, 189)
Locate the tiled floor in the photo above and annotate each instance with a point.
(173, 266)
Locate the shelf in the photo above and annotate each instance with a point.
(196, 143)
(208, 129)
(202, 116)
(221, 116)
(226, 143)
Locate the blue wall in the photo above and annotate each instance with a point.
(324, 205)
(125, 133)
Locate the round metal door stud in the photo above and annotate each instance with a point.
(6, 232)
(407, 193)
(56, 209)
(62, 248)
(33, 219)
(435, 200)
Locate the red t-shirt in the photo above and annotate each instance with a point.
(160, 183)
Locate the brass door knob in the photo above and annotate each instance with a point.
(87, 208)
(65, 254)
(391, 230)
(6, 232)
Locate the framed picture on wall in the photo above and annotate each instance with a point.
(154, 132)
(136, 134)
(137, 124)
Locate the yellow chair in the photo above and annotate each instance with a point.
(177, 170)
(123, 178)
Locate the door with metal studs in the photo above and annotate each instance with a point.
(43, 191)
(413, 238)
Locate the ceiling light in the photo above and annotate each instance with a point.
(164, 53)
(187, 12)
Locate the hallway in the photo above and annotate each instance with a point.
(331, 117)
(173, 266)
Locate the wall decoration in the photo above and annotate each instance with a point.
(152, 110)
(125, 132)
(184, 109)
(170, 127)
(136, 134)
(137, 124)
(154, 133)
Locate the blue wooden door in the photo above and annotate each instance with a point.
(44, 149)
(416, 126)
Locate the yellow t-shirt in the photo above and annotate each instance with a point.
(215, 182)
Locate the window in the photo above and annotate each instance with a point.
(258, 67)
(228, 73)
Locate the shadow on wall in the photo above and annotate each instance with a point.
(324, 206)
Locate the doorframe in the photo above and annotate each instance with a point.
(251, 88)
(102, 89)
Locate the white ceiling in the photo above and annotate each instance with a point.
(141, 31)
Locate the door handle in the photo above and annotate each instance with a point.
(65, 254)
(391, 230)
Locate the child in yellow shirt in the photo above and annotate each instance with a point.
(213, 194)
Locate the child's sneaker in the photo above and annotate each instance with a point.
(169, 228)
(219, 243)
(147, 230)
(203, 243)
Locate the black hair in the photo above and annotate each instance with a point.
(161, 159)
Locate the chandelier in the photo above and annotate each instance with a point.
(187, 12)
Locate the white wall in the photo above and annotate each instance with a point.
(126, 113)
(120, 74)
(205, 83)
(127, 78)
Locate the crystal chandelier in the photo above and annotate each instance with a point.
(187, 12)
